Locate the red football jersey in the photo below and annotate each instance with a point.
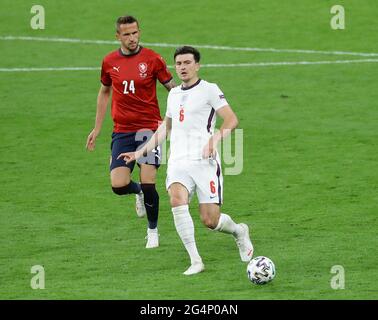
(133, 79)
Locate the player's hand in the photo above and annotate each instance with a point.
(209, 150)
(128, 156)
(91, 140)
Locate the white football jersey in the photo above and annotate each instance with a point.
(193, 114)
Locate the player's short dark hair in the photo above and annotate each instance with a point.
(125, 20)
(188, 49)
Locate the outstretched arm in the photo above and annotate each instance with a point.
(158, 138)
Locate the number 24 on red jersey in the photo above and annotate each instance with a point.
(128, 86)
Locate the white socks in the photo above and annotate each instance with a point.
(185, 228)
(227, 225)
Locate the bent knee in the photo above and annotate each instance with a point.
(210, 222)
(120, 177)
(119, 190)
(115, 183)
(126, 189)
(177, 201)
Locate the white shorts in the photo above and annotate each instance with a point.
(203, 176)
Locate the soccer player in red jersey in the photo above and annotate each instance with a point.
(130, 74)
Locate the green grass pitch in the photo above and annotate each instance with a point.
(309, 183)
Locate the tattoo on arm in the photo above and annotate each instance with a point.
(170, 85)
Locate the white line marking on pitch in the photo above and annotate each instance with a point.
(170, 45)
(230, 65)
(287, 63)
(50, 69)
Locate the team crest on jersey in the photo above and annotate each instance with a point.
(142, 69)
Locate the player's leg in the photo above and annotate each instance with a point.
(122, 185)
(148, 169)
(209, 184)
(120, 179)
(121, 182)
(151, 202)
(120, 172)
(179, 199)
(222, 222)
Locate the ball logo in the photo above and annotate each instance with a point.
(143, 69)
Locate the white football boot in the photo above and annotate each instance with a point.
(139, 205)
(196, 267)
(152, 238)
(244, 243)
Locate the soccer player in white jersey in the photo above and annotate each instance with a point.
(194, 164)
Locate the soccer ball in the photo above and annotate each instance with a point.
(261, 270)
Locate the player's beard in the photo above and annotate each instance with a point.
(134, 47)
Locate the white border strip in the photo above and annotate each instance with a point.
(170, 45)
(50, 69)
(231, 65)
